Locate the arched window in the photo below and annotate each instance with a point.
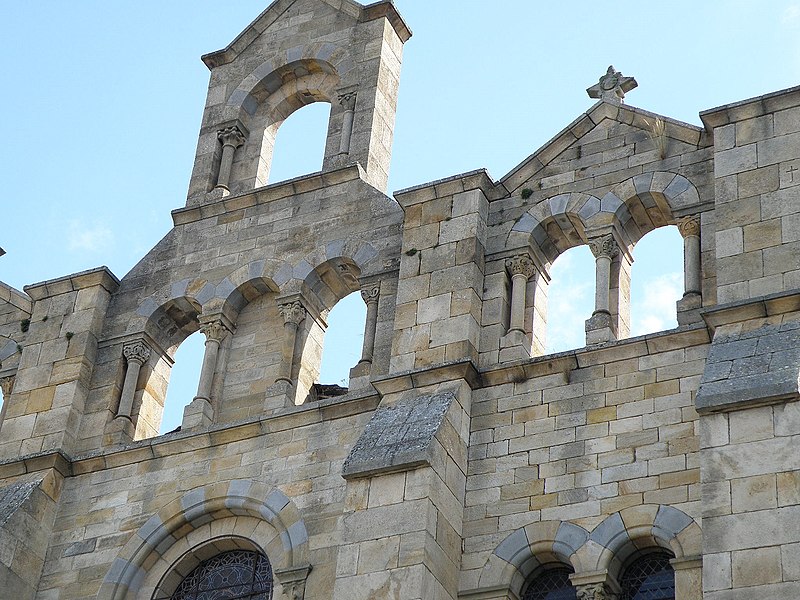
(183, 378)
(648, 577)
(551, 584)
(656, 281)
(343, 340)
(299, 145)
(237, 574)
(570, 299)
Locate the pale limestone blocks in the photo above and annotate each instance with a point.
(271, 71)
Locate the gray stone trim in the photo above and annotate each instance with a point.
(398, 436)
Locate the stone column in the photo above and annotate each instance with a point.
(136, 354)
(515, 344)
(293, 581)
(370, 295)
(293, 314)
(231, 138)
(688, 306)
(7, 385)
(348, 102)
(595, 585)
(199, 413)
(599, 328)
(521, 269)
(215, 332)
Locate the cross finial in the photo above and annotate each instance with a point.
(612, 86)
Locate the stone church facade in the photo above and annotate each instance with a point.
(462, 462)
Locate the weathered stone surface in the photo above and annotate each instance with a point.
(398, 436)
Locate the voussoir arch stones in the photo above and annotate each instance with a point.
(569, 212)
(327, 56)
(527, 548)
(363, 254)
(621, 534)
(195, 509)
(652, 200)
(607, 546)
(196, 291)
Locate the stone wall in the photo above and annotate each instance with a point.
(463, 461)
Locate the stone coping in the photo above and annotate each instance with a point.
(750, 108)
(478, 179)
(564, 362)
(16, 298)
(601, 110)
(77, 281)
(752, 308)
(268, 193)
(384, 8)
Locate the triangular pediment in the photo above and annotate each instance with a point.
(591, 127)
(279, 9)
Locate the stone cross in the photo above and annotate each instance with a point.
(612, 86)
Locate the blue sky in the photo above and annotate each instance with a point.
(102, 103)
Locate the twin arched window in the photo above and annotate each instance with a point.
(237, 574)
(647, 577)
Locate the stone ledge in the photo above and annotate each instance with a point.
(750, 108)
(479, 179)
(101, 276)
(751, 364)
(753, 308)
(408, 380)
(269, 193)
(16, 298)
(398, 436)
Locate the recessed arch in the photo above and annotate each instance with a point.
(529, 548)
(169, 533)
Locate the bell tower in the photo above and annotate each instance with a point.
(295, 53)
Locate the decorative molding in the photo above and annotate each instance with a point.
(371, 293)
(231, 136)
(348, 100)
(7, 385)
(604, 246)
(136, 351)
(521, 265)
(215, 331)
(292, 312)
(689, 226)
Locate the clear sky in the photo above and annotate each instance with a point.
(101, 105)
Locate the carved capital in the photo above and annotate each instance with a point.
(7, 385)
(371, 293)
(215, 331)
(604, 246)
(231, 136)
(594, 591)
(292, 312)
(136, 351)
(293, 581)
(348, 100)
(521, 265)
(347, 274)
(689, 226)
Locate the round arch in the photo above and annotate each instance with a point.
(170, 534)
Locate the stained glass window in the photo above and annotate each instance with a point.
(234, 575)
(552, 584)
(649, 577)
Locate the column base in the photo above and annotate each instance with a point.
(198, 413)
(218, 193)
(119, 431)
(279, 395)
(600, 329)
(514, 345)
(688, 309)
(359, 375)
